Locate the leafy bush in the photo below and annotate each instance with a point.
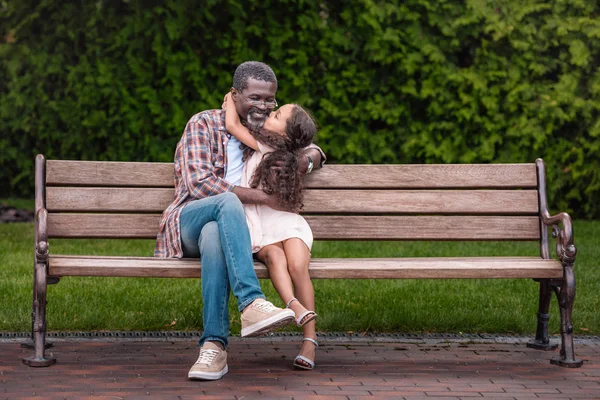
(418, 81)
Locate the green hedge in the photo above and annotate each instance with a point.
(418, 81)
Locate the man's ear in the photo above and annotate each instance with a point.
(233, 92)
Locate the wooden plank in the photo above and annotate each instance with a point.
(344, 268)
(121, 226)
(324, 227)
(423, 228)
(420, 176)
(109, 173)
(506, 202)
(340, 176)
(96, 199)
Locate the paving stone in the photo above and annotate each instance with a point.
(261, 369)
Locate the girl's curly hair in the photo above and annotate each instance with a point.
(286, 182)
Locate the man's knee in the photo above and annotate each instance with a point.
(229, 201)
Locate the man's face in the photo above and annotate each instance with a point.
(259, 92)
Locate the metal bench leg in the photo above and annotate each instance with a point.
(39, 319)
(30, 343)
(542, 340)
(566, 298)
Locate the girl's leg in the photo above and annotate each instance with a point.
(275, 259)
(298, 258)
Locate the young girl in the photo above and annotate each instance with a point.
(281, 239)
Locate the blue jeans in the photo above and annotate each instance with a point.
(215, 229)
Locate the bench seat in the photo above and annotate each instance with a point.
(326, 268)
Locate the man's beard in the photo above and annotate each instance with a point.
(255, 118)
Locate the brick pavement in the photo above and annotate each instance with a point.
(261, 369)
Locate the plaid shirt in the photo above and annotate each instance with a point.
(200, 163)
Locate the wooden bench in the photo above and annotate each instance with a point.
(460, 202)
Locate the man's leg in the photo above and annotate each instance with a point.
(215, 286)
(212, 361)
(215, 228)
(204, 241)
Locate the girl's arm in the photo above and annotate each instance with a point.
(234, 125)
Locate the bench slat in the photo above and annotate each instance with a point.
(345, 268)
(109, 173)
(513, 202)
(144, 174)
(324, 227)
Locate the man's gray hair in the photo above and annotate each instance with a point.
(252, 69)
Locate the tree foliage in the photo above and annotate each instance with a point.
(418, 81)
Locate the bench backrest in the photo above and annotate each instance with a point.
(88, 199)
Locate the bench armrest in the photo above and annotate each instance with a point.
(41, 236)
(565, 248)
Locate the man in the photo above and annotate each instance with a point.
(207, 219)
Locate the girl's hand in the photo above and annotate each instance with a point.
(230, 105)
(234, 125)
(224, 105)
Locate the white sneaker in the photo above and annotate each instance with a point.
(262, 316)
(211, 363)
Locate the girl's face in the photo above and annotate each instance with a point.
(277, 121)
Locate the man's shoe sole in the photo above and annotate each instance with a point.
(208, 376)
(269, 324)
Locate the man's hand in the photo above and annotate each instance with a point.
(303, 163)
(273, 202)
(257, 196)
(278, 166)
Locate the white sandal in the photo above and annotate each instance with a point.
(310, 314)
(311, 363)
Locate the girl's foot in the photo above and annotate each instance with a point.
(306, 358)
(303, 315)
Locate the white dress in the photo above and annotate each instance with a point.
(266, 225)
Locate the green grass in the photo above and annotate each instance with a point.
(28, 204)
(474, 306)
